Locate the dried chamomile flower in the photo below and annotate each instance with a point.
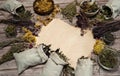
(37, 25)
(28, 36)
(38, 18)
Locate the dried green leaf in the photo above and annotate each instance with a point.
(69, 11)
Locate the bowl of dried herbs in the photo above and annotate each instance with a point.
(89, 9)
(107, 12)
(43, 7)
(108, 59)
(108, 38)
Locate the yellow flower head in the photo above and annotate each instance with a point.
(28, 36)
(99, 46)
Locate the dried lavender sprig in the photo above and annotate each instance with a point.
(101, 28)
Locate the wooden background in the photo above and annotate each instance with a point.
(10, 69)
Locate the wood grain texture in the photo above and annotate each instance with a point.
(10, 68)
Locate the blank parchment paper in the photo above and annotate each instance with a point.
(67, 37)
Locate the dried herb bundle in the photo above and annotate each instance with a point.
(60, 53)
(9, 42)
(11, 31)
(23, 18)
(47, 49)
(17, 45)
(15, 48)
(101, 28)
(69, 11)
(82, 22)
(67, 69)
(18, 23)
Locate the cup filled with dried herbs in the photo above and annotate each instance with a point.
(43, 7)
(107, 12)
(108, 38)
(108, 59)
(90, 8)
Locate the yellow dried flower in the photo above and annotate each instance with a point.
(37, 25)
(25, 29)
(28, 36)
(43, 7)
(99, 46)
(38, 18)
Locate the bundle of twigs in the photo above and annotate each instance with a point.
(15, 48)
(18, 22)
(82, 22)
(10, 41)
(101, 28)
(67, 69)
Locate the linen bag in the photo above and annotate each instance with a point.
(114, 5)
(54, 66)
(11, 6)
(84, 67)
(30, 57)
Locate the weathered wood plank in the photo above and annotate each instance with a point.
(10, 68)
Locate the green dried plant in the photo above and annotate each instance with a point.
(67, 69)
(15, 48)
(10, 31)
(69, 11)
(61, 55)
(9, 42)
(47, 49)
(106, 26)
(23, 16)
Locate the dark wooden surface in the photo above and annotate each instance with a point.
(10, 69)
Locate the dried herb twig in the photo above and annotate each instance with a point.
(82, 22)
(18, 22)
(61, 55)
(16, 48)
(9, 42)
(67, 69)
(101, 28)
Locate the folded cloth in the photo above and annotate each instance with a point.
(54, 66)
(84, 67)
(30, 57)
